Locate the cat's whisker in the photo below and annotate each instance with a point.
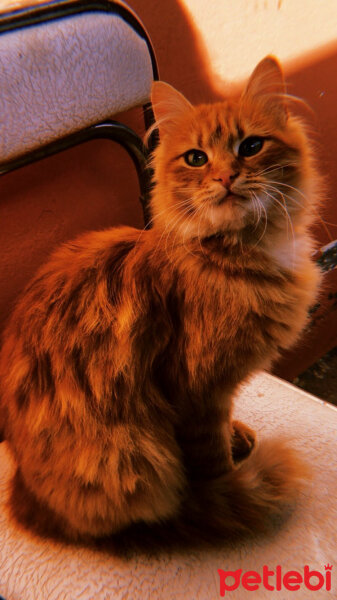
(275, 167)
(200, 210)
(283, 194)
(174, 228)
(282, 205)
(153, 219)
(257, 209)
(265, 219)
(288, 220)
(189, 218)
(176, 218)
(260, 208)
(199, 223)
(169, 230)
(313, 208)
(188, 251)
(183, 217)
(288, 186)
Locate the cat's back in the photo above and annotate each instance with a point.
(67, 307)
(76, 274)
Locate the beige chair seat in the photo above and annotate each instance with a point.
(36, 569)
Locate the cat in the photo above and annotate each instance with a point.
(121, 359)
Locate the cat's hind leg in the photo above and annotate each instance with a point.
(100, 487)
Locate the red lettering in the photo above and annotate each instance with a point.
(224, 586)
(251, 580)
(307, 576)
(266, 574)
(292, 580)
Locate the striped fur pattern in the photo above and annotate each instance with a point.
(121, 359)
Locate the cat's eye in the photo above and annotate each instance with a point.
(195, 158)
(251, 146)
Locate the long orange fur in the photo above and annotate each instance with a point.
(121, 358)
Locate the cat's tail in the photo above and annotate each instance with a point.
(253, 497)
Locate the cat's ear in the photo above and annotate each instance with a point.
(168, 105)
(267, 88)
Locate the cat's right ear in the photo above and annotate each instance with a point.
(266, 88)
(168, 105)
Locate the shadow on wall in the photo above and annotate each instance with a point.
(92, 187)
(181, 54)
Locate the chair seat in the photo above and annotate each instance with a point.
(68, 71)
(33, 568)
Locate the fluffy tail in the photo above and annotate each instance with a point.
(247, 499)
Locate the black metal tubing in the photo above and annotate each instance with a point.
(110, 130)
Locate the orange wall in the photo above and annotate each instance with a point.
(95, 186)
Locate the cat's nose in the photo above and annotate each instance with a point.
(226, 178)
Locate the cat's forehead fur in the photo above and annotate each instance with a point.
(219, 125)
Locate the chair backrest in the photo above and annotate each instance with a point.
(65, 66)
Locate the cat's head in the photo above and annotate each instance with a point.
(230, 166)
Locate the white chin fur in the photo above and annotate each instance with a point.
(227, 216)
(216, 219)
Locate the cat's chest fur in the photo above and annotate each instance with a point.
(217, 310)
(235, 319)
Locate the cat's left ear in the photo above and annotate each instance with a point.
(168, 105)
(266, 87)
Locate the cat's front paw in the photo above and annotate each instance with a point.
(243, 440)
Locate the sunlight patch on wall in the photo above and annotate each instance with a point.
(237, 34)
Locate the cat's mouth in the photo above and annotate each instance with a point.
(228, 197)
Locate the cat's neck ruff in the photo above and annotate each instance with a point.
(290, 250)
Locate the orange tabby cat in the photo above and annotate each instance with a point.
(121, 358)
